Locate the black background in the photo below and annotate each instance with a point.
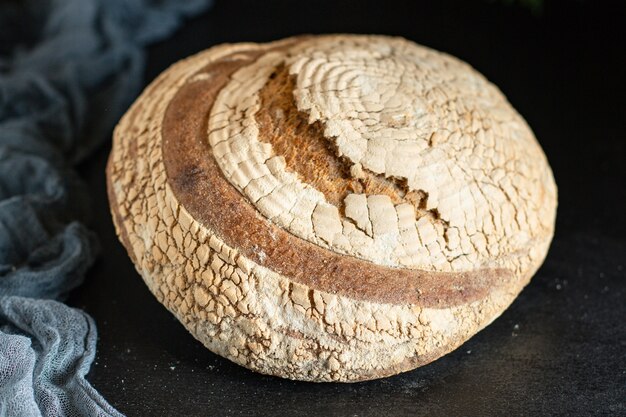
(560, 349)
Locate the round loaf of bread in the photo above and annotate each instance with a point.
(330, 208)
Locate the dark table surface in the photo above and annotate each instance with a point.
(560, 349)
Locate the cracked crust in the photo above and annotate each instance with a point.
(330, 208)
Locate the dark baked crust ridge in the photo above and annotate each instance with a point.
(200, 186)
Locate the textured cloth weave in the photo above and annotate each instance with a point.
(68, 69)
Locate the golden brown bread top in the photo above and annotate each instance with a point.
(310, 163)
(455, 179)
(311, 155)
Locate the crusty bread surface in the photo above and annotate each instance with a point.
(330, 208)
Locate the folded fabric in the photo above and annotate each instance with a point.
(68, 69)
(45, 352)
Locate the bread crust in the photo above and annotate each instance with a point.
(251, 290)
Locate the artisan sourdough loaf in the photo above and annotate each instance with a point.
(330, 208)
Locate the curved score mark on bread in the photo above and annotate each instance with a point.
(199, 184)
(316, 159)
